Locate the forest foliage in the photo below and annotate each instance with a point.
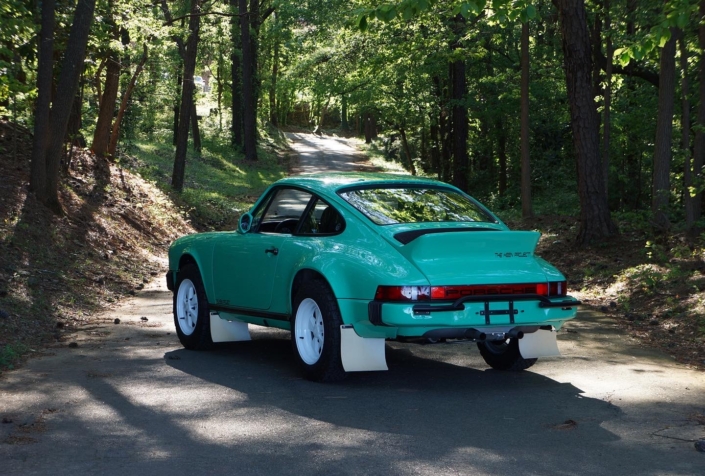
(591, 108)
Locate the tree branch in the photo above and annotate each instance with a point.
(267, 13)
(632, 69)
(177, 39)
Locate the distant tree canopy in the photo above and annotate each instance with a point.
(596, 106)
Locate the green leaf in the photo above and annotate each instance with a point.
(665, 36)
(391, 14)
(465, 10)
(362, 23)
(682, 20)
(408, 13)
(624, 59)
(531, 12)
(638, 53)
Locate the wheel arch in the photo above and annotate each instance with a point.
(190, 258)
(302, 277)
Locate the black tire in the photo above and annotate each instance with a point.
(327, 366)
(189, 279)
(504, 355)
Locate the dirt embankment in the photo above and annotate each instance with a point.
(57, 271)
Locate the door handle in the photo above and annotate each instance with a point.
(273, 250)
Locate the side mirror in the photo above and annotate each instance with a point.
(245, 223)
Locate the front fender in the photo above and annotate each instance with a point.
(197, 248)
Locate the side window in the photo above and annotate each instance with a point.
(284, 211)
(322, 219)
(259, 212)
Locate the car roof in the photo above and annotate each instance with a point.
(332, 182)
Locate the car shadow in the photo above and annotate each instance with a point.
(448, 405)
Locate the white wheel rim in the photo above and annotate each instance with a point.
(308, 331)
(187, 307)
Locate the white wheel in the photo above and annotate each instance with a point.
(308, 331)
(187, 307)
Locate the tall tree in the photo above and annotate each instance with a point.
(595, 220)
(249, 109)
(38, 177)
(460, 111)
(236, 75)
(101, 135)
(699, 141)
(71, 68)
(127, 95)
(606, 127)
(664, 135)
(187, 104)
(685, 133)
(526, 208)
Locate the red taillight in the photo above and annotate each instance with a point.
(403, 293)
(449, 293)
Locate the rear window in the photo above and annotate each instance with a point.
(387, 206)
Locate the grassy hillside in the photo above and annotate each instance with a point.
(57, 272)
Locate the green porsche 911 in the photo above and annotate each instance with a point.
(346, 261)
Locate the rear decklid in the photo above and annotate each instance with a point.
(467, 257)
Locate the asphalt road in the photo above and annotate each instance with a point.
(327, 153)
(130, 400)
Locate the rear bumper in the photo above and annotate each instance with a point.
(472, 312)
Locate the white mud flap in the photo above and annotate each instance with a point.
(361, 354)
(539, 344)
(228, 331)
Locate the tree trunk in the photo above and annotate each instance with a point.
(96, 82)
(435, 147)
(699, 146)
(71, 69)
(595, 220)
(664, 135)
(606, 131)
(368, 128)
(101, 135)
(38, 178)
(115, 134)
(685, 134)
(236, 74)
(176, 108)
(502, 153)
(220, 89)
(407, 151)
(460, 116)
(344, 113)
(248, 85)
(255, 22)
(177, 178)
(526, 208)
(273, 85)
(195, 130)
(446, 145)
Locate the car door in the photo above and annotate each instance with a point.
(245, 267)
